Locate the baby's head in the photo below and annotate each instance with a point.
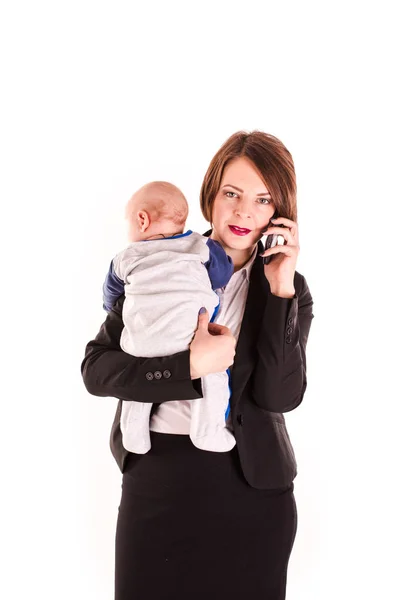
(156, 208)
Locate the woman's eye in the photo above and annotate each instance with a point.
(233, 194)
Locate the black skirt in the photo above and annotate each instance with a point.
(190, 527)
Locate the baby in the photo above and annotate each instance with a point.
(167, 275)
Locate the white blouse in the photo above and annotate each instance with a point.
(174, 416)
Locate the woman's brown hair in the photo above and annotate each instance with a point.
(272, 160)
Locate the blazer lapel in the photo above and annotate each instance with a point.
(246, 347)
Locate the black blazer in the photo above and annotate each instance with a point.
(268, 377)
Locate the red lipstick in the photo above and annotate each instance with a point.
(239, 230)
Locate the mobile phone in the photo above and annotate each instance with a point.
(273, 239)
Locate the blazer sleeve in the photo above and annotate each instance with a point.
(109, 371)
(280, 375)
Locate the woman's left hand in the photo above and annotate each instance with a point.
(280, 271)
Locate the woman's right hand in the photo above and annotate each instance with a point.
(212, 349)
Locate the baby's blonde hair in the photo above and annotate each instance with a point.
(162, 200)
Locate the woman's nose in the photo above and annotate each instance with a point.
(243, 210)
(243, 207)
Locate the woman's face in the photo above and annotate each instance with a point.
(243, 201)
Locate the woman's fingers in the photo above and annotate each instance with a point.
(217, 329)
(290, 229)
(285, 233)
(287, 249)
(286, 222)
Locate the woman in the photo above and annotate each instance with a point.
(195, 524)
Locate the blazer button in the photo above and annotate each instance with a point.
(290, 320)
(149, 376)
(239, 419)
(157, 374)
(289, 330)
(167, 373)
(288, 340)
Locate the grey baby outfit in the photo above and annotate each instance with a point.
(166, 281)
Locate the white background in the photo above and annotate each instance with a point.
(97, 99)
